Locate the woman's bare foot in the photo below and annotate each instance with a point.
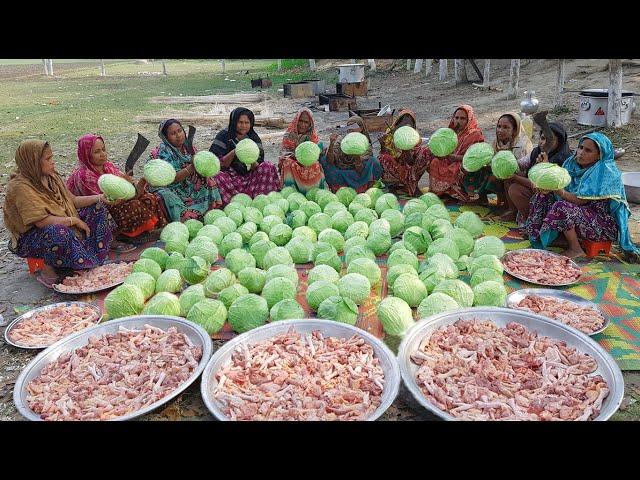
(508, 216)
(573, 253)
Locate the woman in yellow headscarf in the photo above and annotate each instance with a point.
(47, 221)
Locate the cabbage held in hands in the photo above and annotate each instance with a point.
(159, 173)
(307, 153)
(247, 151)
(504, 164)
(206, 163)
(477, 156)
(551, 178)
(443, 142)
(354, 143)
(116, 188)
(406, 138)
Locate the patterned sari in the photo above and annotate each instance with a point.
(192, 197)
(292, 173)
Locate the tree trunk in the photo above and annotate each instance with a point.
(459, 71)
(222, 64)
(408, 64)
(279, 64)
(429, 66)
(486, 76)
(312, 64)
(353, 60)
(514, 78)
(418, 66)
(463, 71)
(372, 64)
(46, 66)
(614, 105)
(164, 68)
(51, 67)
(103, 72)
(560, 83)
(443, 69)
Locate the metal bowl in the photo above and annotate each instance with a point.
(106, 286)
(194, 332)
(97, 310)
(518, 295)
(631, 182)
(544, 252)
(327, 328)
(607, 367)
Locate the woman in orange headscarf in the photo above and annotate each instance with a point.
(292, 172)
(446, 175)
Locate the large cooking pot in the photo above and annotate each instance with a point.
(593, 106)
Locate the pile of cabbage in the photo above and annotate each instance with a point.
(238, 266)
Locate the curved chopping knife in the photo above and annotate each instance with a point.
(138, 149)
(190, 135)
(541, 119)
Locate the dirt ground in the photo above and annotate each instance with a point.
(434, 102)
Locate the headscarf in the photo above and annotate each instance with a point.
(292, 138)
(470, 134)
(387, 140)
(84, 179)
(348, 162)
(225, 140)
(601, 181)
(32, 196)
(188, 147)
(520, 143)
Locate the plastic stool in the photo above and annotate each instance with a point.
(35, 264)
(594, 248)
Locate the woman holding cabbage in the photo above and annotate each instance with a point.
(242, 165)
(593, 205)
(403, 168)
(349, 161)
(189, 195)
(134, 216)
(47, 221)
(301, 173)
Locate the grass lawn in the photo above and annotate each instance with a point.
(77, 100)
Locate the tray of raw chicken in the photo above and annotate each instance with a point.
(541, 267)
(297, 370)
(44, 326)
(96, 279)
(118, 370)
(490, 363)
(562, 306)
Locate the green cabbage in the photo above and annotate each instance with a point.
(236, 216)
(489, 293)
(232, 241)
(355, 207)
(156, 254)
(287, 309)
(179, 246)
(283, 204)
(443, 142)
(374, 193)
(268, 222)
(247, 231)
(300, 249)
(310, 208)
(488, 245)
(458, 290)
(194, 227)
(339, 309)
(195, 269)
(242, 199)
(443, 265)
(409, 288)
(470, 222)
(396, 221)
(446, 246)
(340, 221)
(277, 256)
(403, 256)
(387, 201)
(400, 245)
(394, 272)
(322, 272)
(333, 238)
(189, 297)
(463, 240)
(175, 260)
(252, 278)
(366, 267)
(163, 303)
(363, 199)
(239, 259)
(379, 243)
(274, 195)
(305, 232)
(260, 249)
(537, 169)
(226, 225)
(307, 153)
(324, 197)
(354, 143)
(485, 274)
(278, 289)
(206, 163)
(413, 220)
(334, 207)
(477, 156)
(218, 281)
(260, 201)
(209, 314)
(202, 247)
(359, 252)
(319, 221)
(284, 271)
(365, 215)
(252, 214)
(431, 277)
(147, 265)
(430, 199)
(296, 219)
(159, 173)
(275, 210)
(247, 151)
(380, 225)
(169, 281)
(433, 213)
(280, 234)
(248, 312)
(360, 229)
(212, 215)
(346, 195)
(321, 247)
(395, 315)
(436, 303)
(311, 193)
(418, 238)
(228, 295)
(329, 258)
(319, 291)
(504, 164)
(144, 281)
(486, 261)
(257, 237)
(440, 228)
(175, 231)
(554, 178)
(415, 205)
(115, 187)
(406, 138)
(355, 241)
(211, 232)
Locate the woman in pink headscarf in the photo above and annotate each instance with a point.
(133, 217)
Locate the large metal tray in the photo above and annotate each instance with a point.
(607, 367)
(518, 295)
(97, 289)
(196, 334)
(7, 338)
(327, 328)
(544, 252)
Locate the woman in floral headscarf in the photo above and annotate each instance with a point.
(190, 195)
(292, 173)
(133, 217)
(592, 207)
(403, 168)
(446, 175)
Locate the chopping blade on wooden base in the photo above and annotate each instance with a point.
(138, 149)
(541, 120)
